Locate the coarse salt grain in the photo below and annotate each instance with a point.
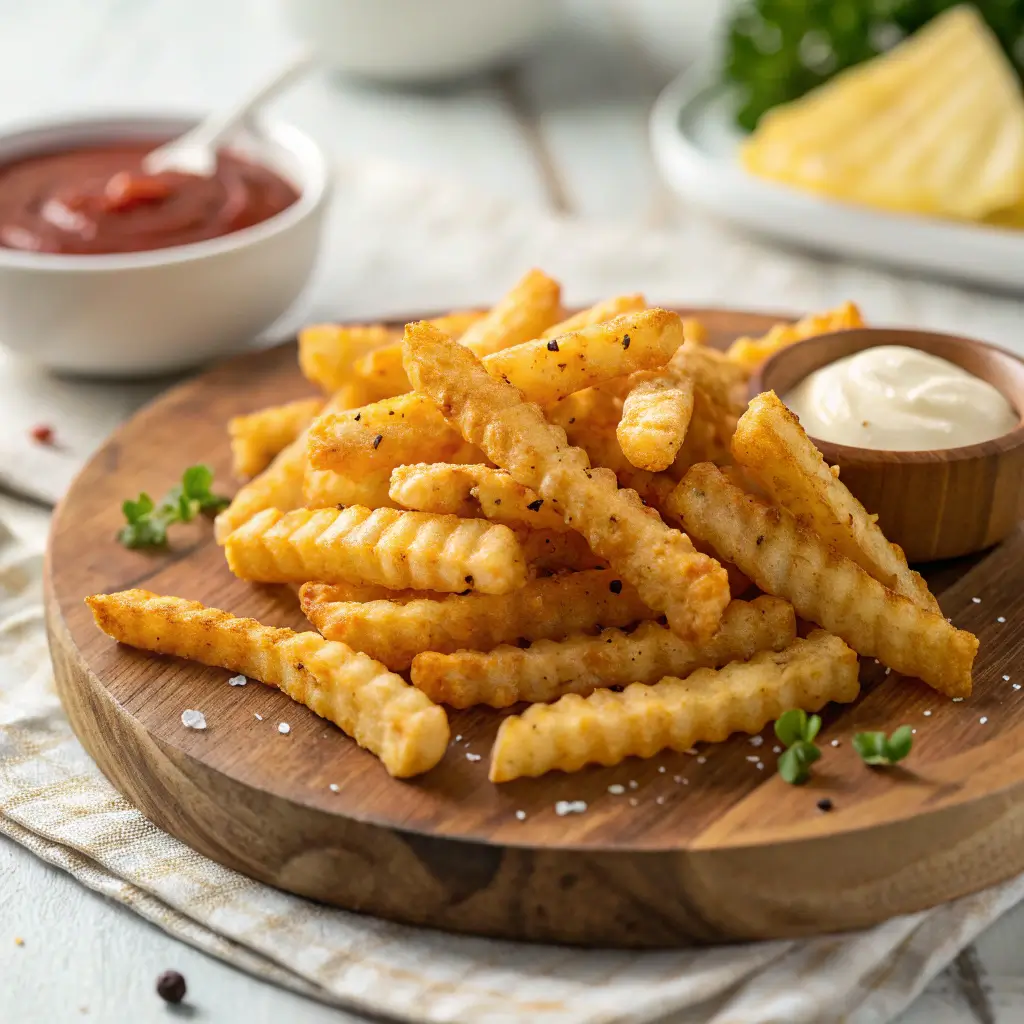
(193, 719)
(457, 738)
(702, 759)
(521, 815)
(237, 681)
(661, 769)
(956, 700)
(1006, 679)
(776, 749)
(677, 778)
(927, 714)
(659, 800)
(976, 600)
(633, 801)
(760, 766)
(753, 758)
(259, 717)
(1016, 686)
(564, 807)
(472, 757)
(756, 741)
(284, 727)
(334, 787)
(835, 743)
(616, 790)
(633, 784)
(1002, 618)
(983, 719)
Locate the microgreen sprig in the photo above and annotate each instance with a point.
(146, 523)
(876, 749)
(796, 731)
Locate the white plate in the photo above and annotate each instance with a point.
(694, 142)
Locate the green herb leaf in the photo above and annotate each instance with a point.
(147, 524)
(795, 763)
(875, 748)
(812, 728)
(790, 726)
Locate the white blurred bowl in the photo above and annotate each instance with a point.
(404, 41)
(148, 313)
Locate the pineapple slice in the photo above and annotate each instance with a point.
(935, 126)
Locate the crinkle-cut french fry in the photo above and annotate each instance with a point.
(770, 444)
(549, 551)
(280, 484)
(549, 669)
(670, 576)
(655, 415)
(323, 488)
(396, 549)
(327, 351)
(597, 314)
(471, 491)
(785, 558)
(751, 352)
(363, 592)
(382, 435)
(549, 608)
(524, 313)
(720, 379)
(258, 436)
(707, 436)
(377, 708)
(674, 714)
(546, 371)
(383, 368)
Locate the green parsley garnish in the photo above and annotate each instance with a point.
(875, 748)
(796, 731)
(146, 523)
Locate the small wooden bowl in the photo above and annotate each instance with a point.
(934, 504)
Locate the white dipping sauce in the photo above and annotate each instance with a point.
(894, 398)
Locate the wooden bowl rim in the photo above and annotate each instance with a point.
(875, 338)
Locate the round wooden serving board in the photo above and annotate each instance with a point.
(697, 849)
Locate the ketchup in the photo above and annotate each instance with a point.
(97, 199)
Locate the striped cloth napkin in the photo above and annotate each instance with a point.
(404, 244)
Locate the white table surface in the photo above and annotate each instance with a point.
(566, 130)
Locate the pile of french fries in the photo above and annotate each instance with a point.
(582, 514)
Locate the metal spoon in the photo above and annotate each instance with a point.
(195, 152)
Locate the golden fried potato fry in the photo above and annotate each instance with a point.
(280, 484)
(655, 415)
(327, 351)
(597, 314)
(549, 669)
(395, 631)
(546, 371)
(670, 576)
(323, 488)
(391, 548)
(674, 714)
(378, 709)
(785, 558)
(771, 445)
(532, 306)
(751, 352)
(382, 367)
(471, 491)
(722, 381)
(548, 551)
(394, 432)
(257, 437)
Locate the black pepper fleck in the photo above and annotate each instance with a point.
(391, 412)
(562, 366)
(534, 506)
(170, 987)
(377, 440)
(572, 419)
(469, 580)
(358, 416)
(760, 540)
(825, 804)
(625, 341)
(552, 346)
(497, 501)
(615, 586)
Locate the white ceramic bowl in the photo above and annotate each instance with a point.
(146, 313)
(404, 41)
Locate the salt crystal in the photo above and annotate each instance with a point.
(756, 741)
(753, 758)
(888, 670)
(702, 759)
(692, 750)
(259, 716)
(1006, 679)
(334, 787)
(1002, 618)
(776, 749)
(633, 784)
(616, 790)
(284, 727)
(472, 757)
(760, 766)
(521, 815)
(956, 700)
(661, 769)
(835, 743)
(237, 681)
(659, 800)
(193, 719)
(983, 719)
(459, 737)
(564, 807)
(1016, 686)
(927, 714)
(633, 801)
(677, 778)
(976, 600)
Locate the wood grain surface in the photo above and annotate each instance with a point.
(698, 848)
(934, 504)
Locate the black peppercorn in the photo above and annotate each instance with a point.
(170, 987)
